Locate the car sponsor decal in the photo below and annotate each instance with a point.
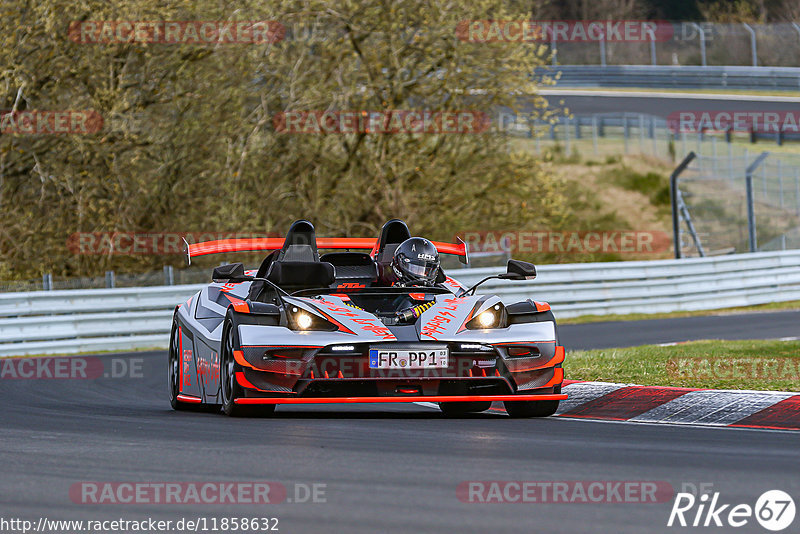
(366, 322)
(444, 315)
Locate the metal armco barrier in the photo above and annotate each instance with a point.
(680, 77)
(69, 321)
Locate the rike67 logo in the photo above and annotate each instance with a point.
(774, 510)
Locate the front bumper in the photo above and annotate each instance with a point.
(422, 398)
(307, 375)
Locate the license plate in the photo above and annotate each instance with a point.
(390, 358)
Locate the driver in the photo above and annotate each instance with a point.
(415, 263)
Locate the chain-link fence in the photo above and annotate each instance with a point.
(689, 43)
(712, 189)
(720, 217)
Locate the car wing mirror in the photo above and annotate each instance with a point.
(519, 270)
(233, 272)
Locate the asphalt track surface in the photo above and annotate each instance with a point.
(390, 468)
(662, 105)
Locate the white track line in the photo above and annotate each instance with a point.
(711, 407)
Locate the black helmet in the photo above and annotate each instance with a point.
(416, 260)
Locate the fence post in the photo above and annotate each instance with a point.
(47, 281)
(714, 157)
(602, 49)
(653, 135)
(797, 189)
(641, 133)
(730, 162)
(702, 42)
(753, 45)
(577, 127)
(751, 213)
(653, 50)
(673, 190)
(110, 279)
(625, 132)
(169, 276)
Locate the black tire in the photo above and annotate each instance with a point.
(531, 408)
(459, 408)
(230, 388)
(173, 374)
(173, 370)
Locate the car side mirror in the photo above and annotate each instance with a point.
(233, 272)
(519, 270)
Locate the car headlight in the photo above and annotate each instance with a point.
(494, 317)
(302, 320)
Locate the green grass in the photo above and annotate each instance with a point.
(720, 365)
(772, 306)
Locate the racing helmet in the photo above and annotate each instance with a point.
(416, 261)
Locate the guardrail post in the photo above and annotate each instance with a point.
(577, 127)
(110, 279)
(653, 50)
(47, 282)
(169, 275)
(603, 49)
(594, 134)
(673, 190)
(702, 35)
(753, 44)
(751, 213)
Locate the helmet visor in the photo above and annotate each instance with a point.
(422, 269)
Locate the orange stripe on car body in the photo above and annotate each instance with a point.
(405, 398)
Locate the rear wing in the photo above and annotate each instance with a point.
(276, 243)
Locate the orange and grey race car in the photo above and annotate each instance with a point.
(306, 328)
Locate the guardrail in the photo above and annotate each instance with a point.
(679, 77)
(54, 322)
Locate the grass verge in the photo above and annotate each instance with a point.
(772, 306)
(758, 365)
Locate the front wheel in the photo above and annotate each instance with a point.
(231, 390)
(531, 408)
(174, 371)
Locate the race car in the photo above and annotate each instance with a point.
(306, 328)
